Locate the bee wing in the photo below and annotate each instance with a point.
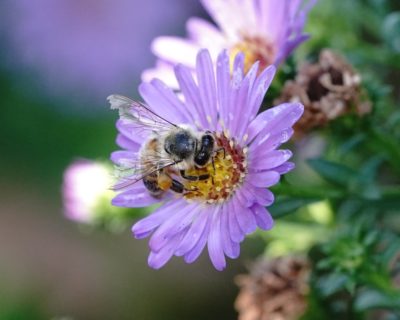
(138, 114)
(133, 171)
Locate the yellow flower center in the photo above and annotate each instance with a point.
(255, 48)
(226, 172)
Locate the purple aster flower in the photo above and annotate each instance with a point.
(227, 200)
(265, 30)
(86, 188)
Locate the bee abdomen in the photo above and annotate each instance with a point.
(151, 184)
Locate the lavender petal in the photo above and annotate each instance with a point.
(245, 219)
(191, 93)
(131, 132)
(261, 195)
(284, 168)
(207, 87)
(184, 51)
(194, 233)
(160, 104)
(275, 120)
(176, 223)
(237, 235)
(162, 71)
(134, 200)
(231, 249)
(215, 249)
(263, 217)
(259, 89)
(270, 142)
(223, 85)
(195, 252)
(126, 143)
(263, 179)
(269, 161)
(205, 33)
(156, 218)
(121, 156)
(158, 259)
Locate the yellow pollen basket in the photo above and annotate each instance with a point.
(255, 49)
(227, 171)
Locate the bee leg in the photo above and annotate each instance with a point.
(177, 186)
(194, 178)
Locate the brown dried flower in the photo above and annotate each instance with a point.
(274, 290)
(328, 89)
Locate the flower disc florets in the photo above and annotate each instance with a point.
(255, 48)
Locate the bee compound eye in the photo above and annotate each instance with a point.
(169, 146)
(166, 149)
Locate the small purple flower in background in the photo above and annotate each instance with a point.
(228, 203)
(86, 189)
(265, 30)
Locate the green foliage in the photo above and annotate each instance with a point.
(357, 172)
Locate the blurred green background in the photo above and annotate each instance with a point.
(53, 110)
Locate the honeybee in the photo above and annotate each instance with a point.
(169, 150)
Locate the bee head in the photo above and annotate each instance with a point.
(181, 145)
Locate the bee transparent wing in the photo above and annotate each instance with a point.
(138, 114)
(130, 172)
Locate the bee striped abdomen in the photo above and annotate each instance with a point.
(151, 184)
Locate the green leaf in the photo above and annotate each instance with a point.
(387, 145)
(369, 192)
(389, 200)
(283, 207)
(352, 143)
(313, 193)
(372, 299)
(371, 238)
(392, 249)
(350, 207)
(333, 172)
(369, 169)
(391, 30)
(332, 283)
